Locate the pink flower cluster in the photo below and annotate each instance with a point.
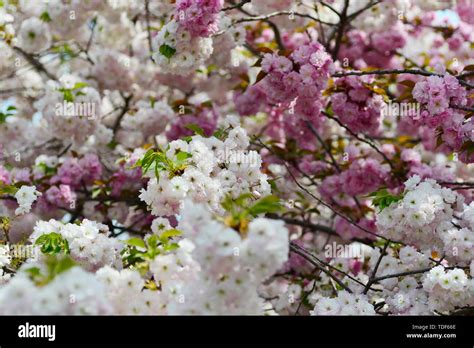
(199, 17)
(60, 196)
(127, 177)
(377, 49)
(295, 81)
(465, 10)
(292, 89)
(440, 125)
(78, 172)
(304, 74)
(356, 105)
(348, 230)
(362, 177)
(460, 36)
(250, 102)
(4, 175)
(436, 94)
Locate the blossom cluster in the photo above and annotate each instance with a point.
(198, 17)
(64, 125)
(25, 197)
(183, 43)
(236, 157)
(88, 243)
(344, 304)
(75, 292)
(421, 215)
(232, 266)
(356, 105)
(437, 94)
(293, 83)
(211, 169)
(448, 289)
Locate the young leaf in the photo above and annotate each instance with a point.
(382, 198)
(167, 51)
(196, 129)
(268, 204)
(137, 242)
(170, 233)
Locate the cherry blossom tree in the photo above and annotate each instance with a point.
(265, 157)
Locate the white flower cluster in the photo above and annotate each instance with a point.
(149, 119)
(72, 292)
(422, 215)
(66, 118)
(431, 218)
(5, 259)
(25, 197)
(420, 294)
(448, 289)
(125, 292)
(232, 267)
(459, 242)
(34, 35)
(381, 16)
(7, 31)
(20, 131)
(88, 242)
(113, 70)
(344, 304)
(172, 272)
(407, 299)
(215, 168)
(178, 52)
(66, 19)
(287, 301)
(408, 260)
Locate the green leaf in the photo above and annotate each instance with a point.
(137, 242)
(383, 199)
(167, 51)
(196, 129)
(52, 243)
(67, 94)
(54, 266)
(170, 233)
(47, 170)
(153, 241)
(170, 247)
(45, 17)
(219, 133)
(268, 204)
(5, 223)
(9, 112)
(243, 198)
(62, 265)
(79, 85)
(33, 272)
(7, 189)
(182, 156)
